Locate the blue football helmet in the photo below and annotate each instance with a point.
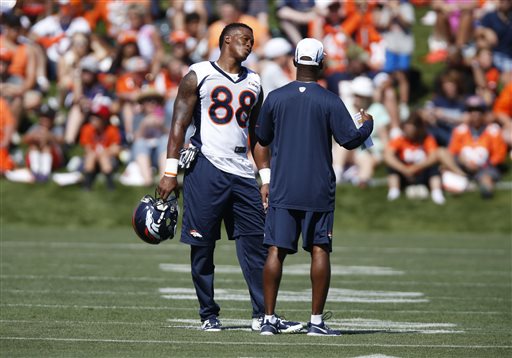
(155, 220)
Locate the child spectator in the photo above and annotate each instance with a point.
(445, 110)
(412, 159)
(149, 147)
(86, 87)
(102, 144)
(44, 152)
(486, 75)
(128, 88)
(479, 147)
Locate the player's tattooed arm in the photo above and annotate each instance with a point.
(184, 105)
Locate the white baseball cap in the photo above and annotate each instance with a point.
(311, 48)
(277, 47)
(362, 86)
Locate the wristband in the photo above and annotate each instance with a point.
(264, 175)
(171, 167)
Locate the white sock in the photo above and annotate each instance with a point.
(316, 318)
(272, 318)
(34, 156)
(46, 163)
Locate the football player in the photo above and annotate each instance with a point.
(222, 100)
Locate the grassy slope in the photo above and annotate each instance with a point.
(356, 210)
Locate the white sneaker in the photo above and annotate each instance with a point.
(437, 197)
(393, 194)
(256, 323)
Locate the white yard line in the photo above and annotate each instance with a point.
(174, 246)
(152, 293)
(257, 343)
(335, 280)
(194, 309)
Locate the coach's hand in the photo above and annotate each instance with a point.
(264, 191)
(365, 116)
(166, 186)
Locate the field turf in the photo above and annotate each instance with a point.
(422, 281)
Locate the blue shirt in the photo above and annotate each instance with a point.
(300, 120)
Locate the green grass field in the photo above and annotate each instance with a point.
(409, 280)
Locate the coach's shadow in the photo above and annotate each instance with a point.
(343, 332)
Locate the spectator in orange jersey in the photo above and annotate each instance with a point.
(479, 147)
(503, 113)
(44, 139)
(102, 144)
(18, 86)
(113, 13)
(329, 31)
(54, 31)
(413, 159)
(128, 88)
(229, 12)
(359, 23)
(486, 75)
(7, 127)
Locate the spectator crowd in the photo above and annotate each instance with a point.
(87, 87)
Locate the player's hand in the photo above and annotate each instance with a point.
(264, 191)
(365, 116)
(166, 186)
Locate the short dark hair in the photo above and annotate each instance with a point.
(228, 29)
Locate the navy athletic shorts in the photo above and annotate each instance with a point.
(283, 227)
(210, 196)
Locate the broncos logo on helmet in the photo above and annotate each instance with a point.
(155, 220)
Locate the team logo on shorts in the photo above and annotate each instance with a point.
(195, 234)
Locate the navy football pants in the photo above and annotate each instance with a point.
(251, 257)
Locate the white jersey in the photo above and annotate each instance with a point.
(221, 118)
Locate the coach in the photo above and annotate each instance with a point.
(299, 120)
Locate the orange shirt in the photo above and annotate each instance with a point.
(410, 152)
(126, 84)
(503, 103)
(488, 147)
(360, 25)
(19, 60)
(112, 13)
(6, 117)
(90, 136)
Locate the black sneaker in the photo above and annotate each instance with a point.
(321, 330)
(269, 329)
(211, 325)
(285, 326)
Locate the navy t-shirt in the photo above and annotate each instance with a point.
(299, 120)
(502, 29)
